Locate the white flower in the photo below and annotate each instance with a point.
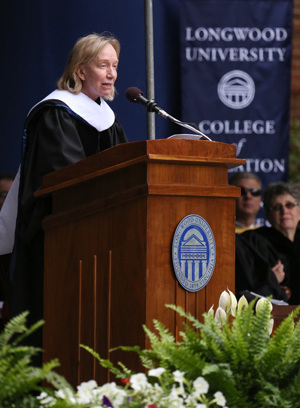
(46, 399)
(66, 394)
(200, 385)
(228, 302)
(139, 381)
(174, 401)
(85, 391)
(190, 401)
(156, 372)
(112, 392)
(233, 303)
(86, 386)
(220, 315)
(224, 301)
(242, 303)
(211, 311)
(178, 376)
(201, 406)
(220, 399)
(157, 391)
(270, 326)
(260, 304)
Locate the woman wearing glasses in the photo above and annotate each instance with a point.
(275, 248)
(281, 202)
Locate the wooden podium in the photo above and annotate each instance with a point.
(108, 241)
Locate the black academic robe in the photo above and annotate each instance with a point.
(55, 137)
(289, 251)
(254, 258)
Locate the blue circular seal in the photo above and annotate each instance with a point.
(193, 252)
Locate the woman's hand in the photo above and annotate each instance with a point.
(278, 270)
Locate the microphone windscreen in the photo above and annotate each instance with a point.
(132, 94)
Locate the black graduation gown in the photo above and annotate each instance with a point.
(254, 258)
(55, 138)
(290, 253)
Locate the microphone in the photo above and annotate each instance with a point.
(135, 95)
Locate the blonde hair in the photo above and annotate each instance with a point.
(83, 52)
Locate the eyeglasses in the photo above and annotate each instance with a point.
(255, 192)
(279, 207)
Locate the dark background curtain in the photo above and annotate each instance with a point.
(36, 37)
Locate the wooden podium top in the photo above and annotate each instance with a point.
(176, 151)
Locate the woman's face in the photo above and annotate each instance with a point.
(98, 77)
(284, 214)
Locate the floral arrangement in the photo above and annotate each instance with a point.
(228, 360)
(166, 391)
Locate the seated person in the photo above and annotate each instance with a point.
(280, 242)
(258, 269)
(281, 202)
(248, 204)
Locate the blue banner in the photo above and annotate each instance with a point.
(236, 68)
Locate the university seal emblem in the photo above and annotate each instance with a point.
(236, 89)
(193, 252)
